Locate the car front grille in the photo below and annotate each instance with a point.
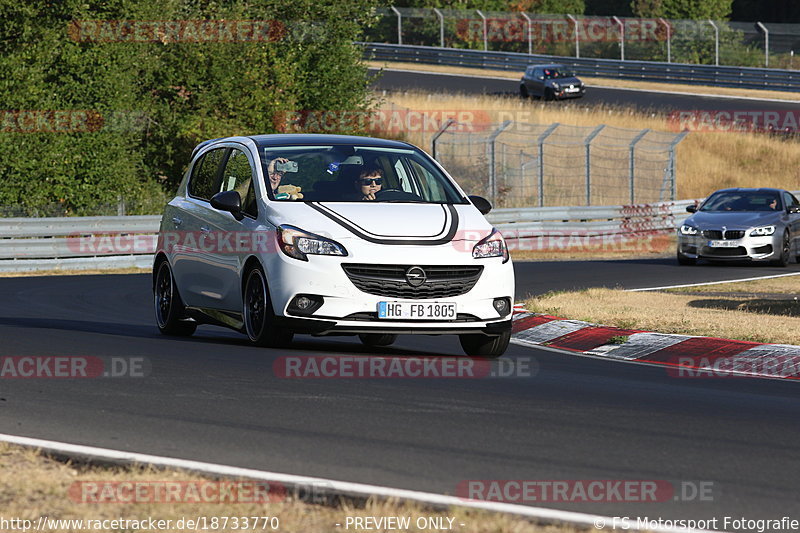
(730, 234)
(724, 252)
(390, 280)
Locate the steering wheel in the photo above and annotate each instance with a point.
(396, 194)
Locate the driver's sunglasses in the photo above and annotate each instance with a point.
(371, 181)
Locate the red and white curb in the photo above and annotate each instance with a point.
(683, 355)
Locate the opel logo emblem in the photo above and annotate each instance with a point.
(415, 276)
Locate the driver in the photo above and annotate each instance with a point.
(368, 183)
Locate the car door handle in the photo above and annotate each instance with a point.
(205, 229)
(177, 221)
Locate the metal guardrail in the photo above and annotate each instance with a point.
(721, 76)
(80, 243)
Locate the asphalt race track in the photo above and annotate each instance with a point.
(646, 101)
(215, 398)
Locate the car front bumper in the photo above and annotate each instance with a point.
(764, 248)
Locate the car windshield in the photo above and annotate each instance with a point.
(742, 201)
(349, 173)
(553, 73)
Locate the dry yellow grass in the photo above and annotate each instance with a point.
(729, 317)
(642, 248)
(705, 161)
(34, 485)
(64, 272)
(606, 82)
(785, 285)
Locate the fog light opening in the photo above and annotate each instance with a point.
(304, 304)
(502, 306)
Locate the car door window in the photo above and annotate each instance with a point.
(238, 176)
(205, 175)
(789, 200)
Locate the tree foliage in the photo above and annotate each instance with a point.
(149, 101)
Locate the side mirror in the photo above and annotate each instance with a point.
(793, 209)
(481, 203)
(691, 208)
(229, 201)
(540, 77)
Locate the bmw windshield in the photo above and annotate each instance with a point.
(728, 201)
(348, 173)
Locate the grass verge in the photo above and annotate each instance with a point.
(605, 82)
(62, 272)
(35, 485)
(760, 311)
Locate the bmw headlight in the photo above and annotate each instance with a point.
(298, 244)
(689, 230)
(493, 245)
(762, 231)
(556, 86)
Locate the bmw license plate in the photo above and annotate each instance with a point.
(417, 311)
(571, 89)
(723, 244)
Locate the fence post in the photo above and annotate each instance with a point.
(632, 164)
(492, 155)
(399, 25)
(716, 41)
(485, 31)
(669, 38)
(621, 38)
(441, 26)
(540, 142)
(588, 144)
(530, 32)
(577, 37)
(438, 134)
(766, 43)
(672, 172)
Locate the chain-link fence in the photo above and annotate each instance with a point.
(516, 164)
(642, 39)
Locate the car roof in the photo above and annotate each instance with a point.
(751, 189)
(311, 139)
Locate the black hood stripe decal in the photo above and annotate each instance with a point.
(444, 236)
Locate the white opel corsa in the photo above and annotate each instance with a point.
(276, 235)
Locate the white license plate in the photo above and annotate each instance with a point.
(572, 89)
(723, 244)
(417, 311)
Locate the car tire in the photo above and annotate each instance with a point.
(169, 308)
(685, 261)
(377, 339)
(523, 92)
(549, 94)
(488, 346)
(257, 314)
(786, 249)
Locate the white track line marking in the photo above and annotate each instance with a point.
(721, 96)
(712, 282)
(341, 487)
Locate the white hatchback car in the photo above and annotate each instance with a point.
(274, 235)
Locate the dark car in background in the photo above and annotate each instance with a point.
(551, 82)
(741, 224)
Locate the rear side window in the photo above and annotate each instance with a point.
(204, 181)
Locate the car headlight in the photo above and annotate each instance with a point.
(556, 86)
(689, 230)
(493, 245)
(298, 244)
(762, 231)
